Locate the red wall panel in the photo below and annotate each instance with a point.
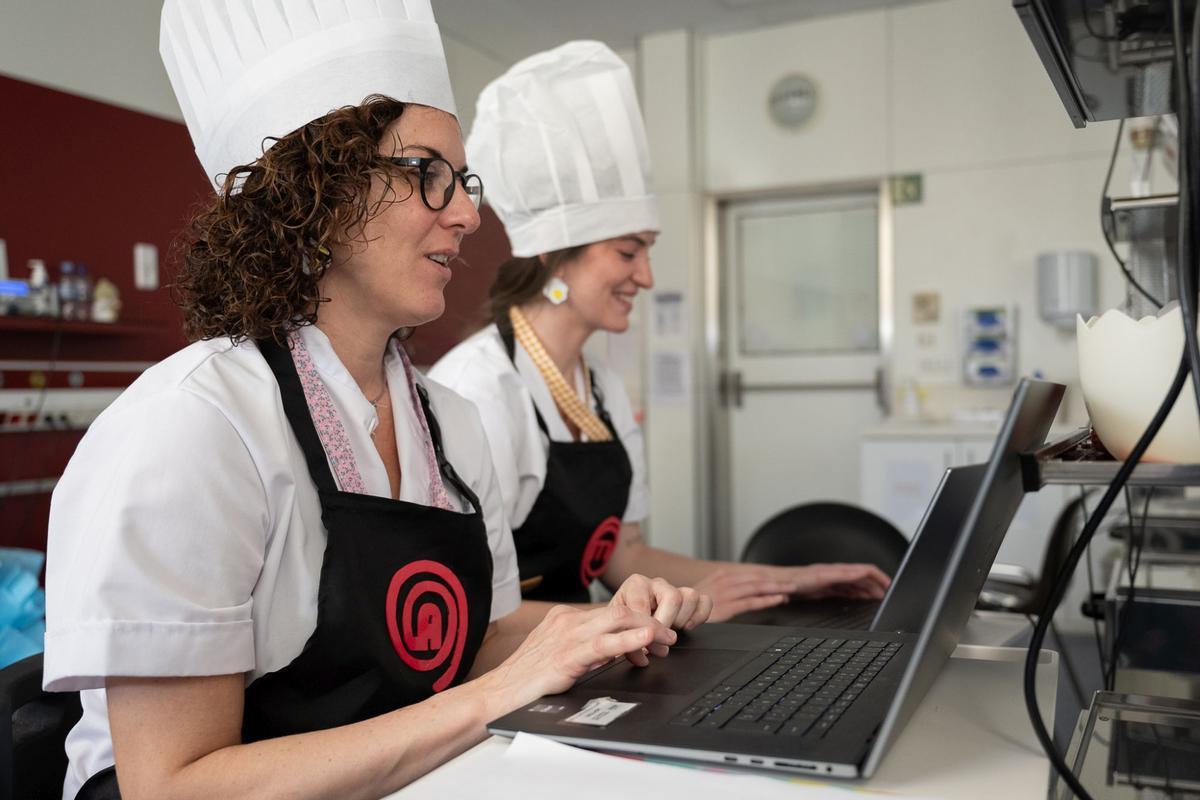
(82, 181)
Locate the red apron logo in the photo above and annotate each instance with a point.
(599, 550)
(428, 632)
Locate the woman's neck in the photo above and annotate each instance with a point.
(360, 351)
(561, 331)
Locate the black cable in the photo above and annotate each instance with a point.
(55, 351)
(1189, 166)
(1069, 666)
(1132, 561)
(1161, 752)
(1118, 617)
(1064, 575)
(1142, 533)
(1105, 205)
(1092, 587)
(1187, 184)
(1106, 211)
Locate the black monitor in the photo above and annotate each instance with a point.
(1107, 59)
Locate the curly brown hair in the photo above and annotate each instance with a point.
(251, 261)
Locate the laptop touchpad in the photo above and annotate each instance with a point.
(681, 672)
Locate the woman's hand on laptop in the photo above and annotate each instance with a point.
(816, 581)
(568, 643)
(681, 608)
(739, 588)
(678, 607)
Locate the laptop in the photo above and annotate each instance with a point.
(910, 590)
(812, 701)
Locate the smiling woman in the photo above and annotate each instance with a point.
(279, 563)
(582, 217)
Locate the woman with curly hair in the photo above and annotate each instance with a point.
(560, 141)
(278, 563)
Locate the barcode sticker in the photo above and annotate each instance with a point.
(600, 711)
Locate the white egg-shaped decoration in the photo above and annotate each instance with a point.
(1125, 368)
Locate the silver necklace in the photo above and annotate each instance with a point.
(379, 396)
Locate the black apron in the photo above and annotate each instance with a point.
(571, 532)
(403, 602)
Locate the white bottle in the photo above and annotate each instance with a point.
(67, 303)
(43, 298)
(83, 293)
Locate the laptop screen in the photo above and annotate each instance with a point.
(969, 557)
(906, 605)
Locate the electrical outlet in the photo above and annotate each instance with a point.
(145, 266)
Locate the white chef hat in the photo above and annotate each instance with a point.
(244, 70)
(559, 143)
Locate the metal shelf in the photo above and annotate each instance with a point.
(1078, 459)
(22, 324)
(1142, 218)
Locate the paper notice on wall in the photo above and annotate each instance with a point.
(670, 315)
(670, 377)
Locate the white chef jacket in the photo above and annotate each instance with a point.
(480, 370)
(186, 535)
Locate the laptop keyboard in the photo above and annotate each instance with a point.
(799, 686)
(857, 617)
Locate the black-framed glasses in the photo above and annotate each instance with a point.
(438, 180)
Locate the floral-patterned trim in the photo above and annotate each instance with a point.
(326, 420)
(333, 435)
(437, 488)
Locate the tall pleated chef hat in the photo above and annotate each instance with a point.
(559, 142)
(245, 70)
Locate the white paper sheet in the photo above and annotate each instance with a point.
(670, 377)
(670, 315)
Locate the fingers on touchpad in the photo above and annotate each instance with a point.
(682, 672)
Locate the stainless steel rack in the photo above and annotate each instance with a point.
(1078, 459)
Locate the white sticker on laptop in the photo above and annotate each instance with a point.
(600, 711)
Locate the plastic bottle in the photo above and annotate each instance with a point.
(42, 300)
(910, 399)
(66, 290)
(106, 301)
(83, 293)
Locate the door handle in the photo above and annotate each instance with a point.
(881, 394)
(730, 388)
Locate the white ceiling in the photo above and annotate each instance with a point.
(109, 51)
(509, 30)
